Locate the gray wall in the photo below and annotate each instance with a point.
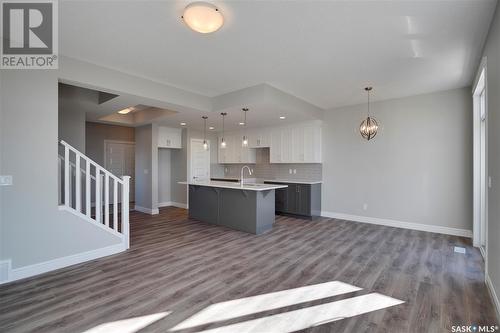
(144, 166)
(96, 133)
(492, 52)
(178, 158)
(71, 121)
(35, 230)
(418, 169)
(164, 175)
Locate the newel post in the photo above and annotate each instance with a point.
(125, 211)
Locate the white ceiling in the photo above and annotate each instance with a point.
(323, 52)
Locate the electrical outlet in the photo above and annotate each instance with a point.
(489, 182)
(294, 171)
(365, 206)
(146, 171)
(5, 180)
(290, 171)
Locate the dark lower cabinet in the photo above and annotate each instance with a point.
(298, 199)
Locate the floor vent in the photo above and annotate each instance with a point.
(460, 249)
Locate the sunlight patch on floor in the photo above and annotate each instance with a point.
(311, 316)
(130, 325)
(254, 304)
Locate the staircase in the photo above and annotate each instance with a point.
(94, 194)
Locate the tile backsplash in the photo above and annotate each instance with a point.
(265, 170)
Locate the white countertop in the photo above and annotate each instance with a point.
(294, 181)
(291, 181)
(236, 186)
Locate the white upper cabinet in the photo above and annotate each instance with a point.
(169, 137)
(298, 143)
(234, 152)
(259, 138)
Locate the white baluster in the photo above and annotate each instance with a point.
(106, 199)
(98, 195)
(115, 205)
(125, 211)
(87, 188)
(78, 183)
(66, 176)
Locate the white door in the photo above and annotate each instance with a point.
(119, 159)
(200, 161)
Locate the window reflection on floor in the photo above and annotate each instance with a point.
(130, 325)
(292, 320)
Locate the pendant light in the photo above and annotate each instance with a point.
(244, 142)
(369, 126)
(205, 143)
(223, 141)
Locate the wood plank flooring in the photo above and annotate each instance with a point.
(181, 266)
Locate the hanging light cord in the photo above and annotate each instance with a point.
(205, 129)
(368, 104)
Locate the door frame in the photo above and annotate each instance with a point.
(480, 188)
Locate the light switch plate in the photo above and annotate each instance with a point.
(5, 180)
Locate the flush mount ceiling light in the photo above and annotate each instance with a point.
(203, 17)
(125, 111)
(183, 124)
(369, 126)
(211, 128)
(282, 117)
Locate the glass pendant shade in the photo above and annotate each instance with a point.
(205, 143)
(223, 141)
(244, 141)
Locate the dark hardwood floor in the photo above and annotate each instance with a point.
(182, 266)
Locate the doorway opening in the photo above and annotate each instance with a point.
(480, 161)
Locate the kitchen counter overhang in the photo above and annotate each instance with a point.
(250, 208)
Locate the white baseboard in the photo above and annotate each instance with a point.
(172, 204)
(147, 210)
(400, 224)
(5, 269)
(493, 294)
(47, 266)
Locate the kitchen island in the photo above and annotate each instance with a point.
(249, 208)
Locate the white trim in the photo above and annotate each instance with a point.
(51, 265)
(172, 204)
(5, 269)
(147, 210)
(91, 220)
(400, 224)
(493, 295)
